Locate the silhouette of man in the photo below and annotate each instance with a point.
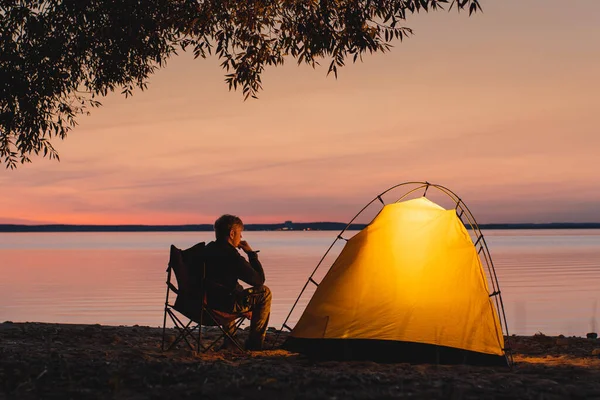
(224, 266)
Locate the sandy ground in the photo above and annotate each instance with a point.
(60, 361)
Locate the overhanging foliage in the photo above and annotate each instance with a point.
(57, 57)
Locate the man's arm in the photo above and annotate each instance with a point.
(250, 272)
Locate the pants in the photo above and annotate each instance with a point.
(258, 300)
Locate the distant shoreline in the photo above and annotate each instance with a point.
(288, 226)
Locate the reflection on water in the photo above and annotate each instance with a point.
(550, 280)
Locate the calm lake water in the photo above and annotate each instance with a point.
(550, 279)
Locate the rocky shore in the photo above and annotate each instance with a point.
(62, 361)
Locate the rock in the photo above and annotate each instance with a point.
(562, 341)
(596, 352)
(592, 335)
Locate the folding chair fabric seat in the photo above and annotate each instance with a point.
(191, 303)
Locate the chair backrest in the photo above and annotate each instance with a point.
(188, 266)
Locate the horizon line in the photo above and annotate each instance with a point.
(282, 226)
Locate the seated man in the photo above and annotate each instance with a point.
(224, 266)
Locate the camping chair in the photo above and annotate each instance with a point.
(190, 271)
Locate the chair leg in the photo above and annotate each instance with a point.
(162, 346)
(226, 334)
(195, 342)
(237, 326)
(184, 331)
(201, 346)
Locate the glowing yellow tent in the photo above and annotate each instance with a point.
(410, 286)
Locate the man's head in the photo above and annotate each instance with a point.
(229, 228)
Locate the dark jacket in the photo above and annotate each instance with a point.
(224, 266)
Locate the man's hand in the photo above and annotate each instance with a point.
(244, 246)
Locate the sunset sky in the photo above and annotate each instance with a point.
(502, 107)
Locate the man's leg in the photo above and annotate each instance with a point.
(258, 300)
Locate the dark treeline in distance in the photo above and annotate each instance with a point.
(301, 226)
(287, 226)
